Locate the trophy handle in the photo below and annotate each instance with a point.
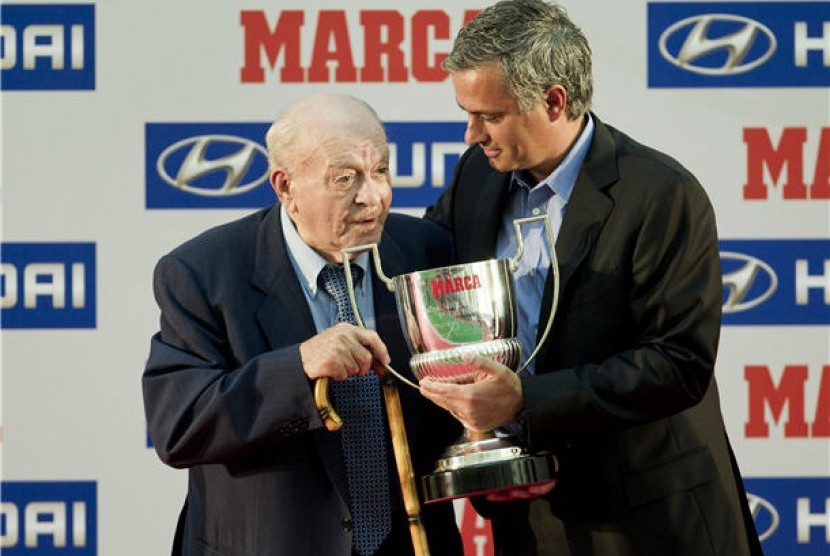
(347, 267)
(388, 282)
(554, 264)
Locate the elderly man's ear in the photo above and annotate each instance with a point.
(281, 185)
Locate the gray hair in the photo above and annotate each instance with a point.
(537, 46)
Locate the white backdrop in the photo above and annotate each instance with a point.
(81, 195)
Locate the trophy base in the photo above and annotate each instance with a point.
(485, 466)
(448, 364)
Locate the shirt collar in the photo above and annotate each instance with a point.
(306, 261)
(563, 178)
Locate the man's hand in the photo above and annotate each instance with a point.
(492, 399)
(342, 351)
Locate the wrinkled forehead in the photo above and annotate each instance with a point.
(346, 149)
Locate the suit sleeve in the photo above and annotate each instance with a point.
(203, 407)
(670, 332)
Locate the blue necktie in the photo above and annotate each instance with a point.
(358, 401)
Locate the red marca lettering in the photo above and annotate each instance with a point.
(789, 392)
(384, 35)
(761, 153)
(453, 285)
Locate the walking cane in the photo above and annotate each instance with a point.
(400, 447)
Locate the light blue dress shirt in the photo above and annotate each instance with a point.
(307, 265)
(525, 199)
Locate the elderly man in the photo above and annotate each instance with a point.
(250, 318)
(623, 389)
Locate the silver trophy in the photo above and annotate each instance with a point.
(448, 314)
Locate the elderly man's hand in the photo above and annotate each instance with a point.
(342, 351)
(492, 399)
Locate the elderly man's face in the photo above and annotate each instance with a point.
(341, 197)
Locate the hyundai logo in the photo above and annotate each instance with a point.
(764, 515)
(189, 161)
(742, 285)
(698, 42)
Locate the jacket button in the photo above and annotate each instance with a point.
(347, 525)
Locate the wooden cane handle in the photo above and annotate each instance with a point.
(329, 416)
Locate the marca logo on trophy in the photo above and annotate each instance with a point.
(447, 315)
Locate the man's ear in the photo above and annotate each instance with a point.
(281, 184)
(556, 98)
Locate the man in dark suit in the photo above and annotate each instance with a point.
(622, 391)
(247, 329)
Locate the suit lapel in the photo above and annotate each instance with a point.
(585, 215)
(285, 318)
(488, 214)
(275, 277)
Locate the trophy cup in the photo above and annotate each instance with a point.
(448, 314)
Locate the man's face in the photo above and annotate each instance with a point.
(341, 196)
(510, 140)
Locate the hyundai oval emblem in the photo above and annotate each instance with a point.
(742, 285)
(235, 162)
(732, 53)
(764, 515)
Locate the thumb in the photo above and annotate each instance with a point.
(486, 366)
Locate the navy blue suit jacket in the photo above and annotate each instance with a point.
(226, 396)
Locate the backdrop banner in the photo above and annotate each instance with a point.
(129, 127)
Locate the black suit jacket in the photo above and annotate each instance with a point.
(624, 392)
(226, 397)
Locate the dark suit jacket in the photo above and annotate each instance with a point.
(624, 392)
(226, 397)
